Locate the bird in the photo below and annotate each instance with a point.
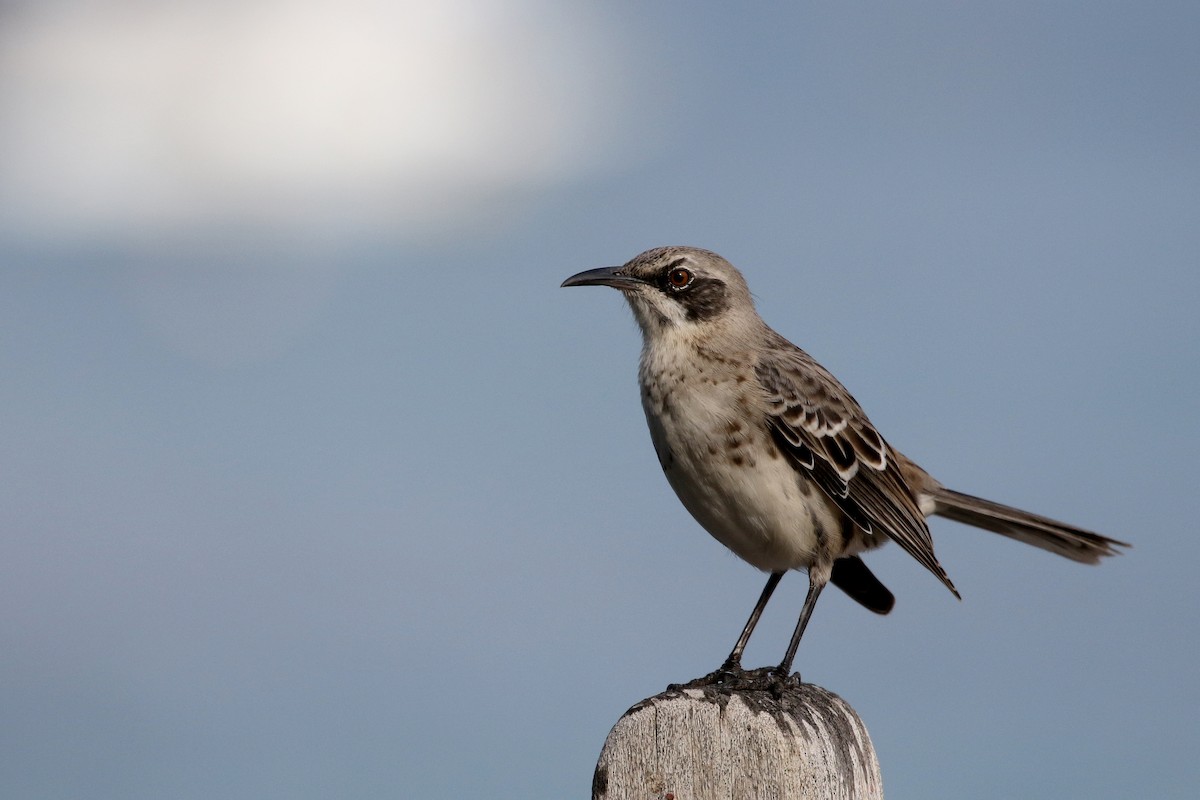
(774, 457)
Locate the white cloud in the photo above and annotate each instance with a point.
(124, 118)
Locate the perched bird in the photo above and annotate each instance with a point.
(771, 454)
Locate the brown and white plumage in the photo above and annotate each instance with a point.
(827, 435)
(773, 456)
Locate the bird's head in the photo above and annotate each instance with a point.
(675, 288)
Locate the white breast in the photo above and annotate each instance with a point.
(707, 424)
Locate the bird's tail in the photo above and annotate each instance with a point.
(1069, 541)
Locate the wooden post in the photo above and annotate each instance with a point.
(714, 742)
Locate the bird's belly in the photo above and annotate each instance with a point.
(739, 487)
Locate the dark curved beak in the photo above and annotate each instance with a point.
(604, 276)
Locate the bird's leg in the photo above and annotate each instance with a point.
(734, 662)
(817, 578)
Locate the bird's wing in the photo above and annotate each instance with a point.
(826, 434)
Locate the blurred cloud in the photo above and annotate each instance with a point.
(126, 119)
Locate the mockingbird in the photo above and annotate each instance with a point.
(771, 454)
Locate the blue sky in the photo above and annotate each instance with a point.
(314, 483)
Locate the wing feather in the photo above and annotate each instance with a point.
(825, 432)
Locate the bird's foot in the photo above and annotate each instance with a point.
(728, 674)
(783, 675)
(778, 681)
(732, 677)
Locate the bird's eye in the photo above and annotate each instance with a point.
(679, 278)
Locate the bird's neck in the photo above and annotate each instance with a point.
(733, 341)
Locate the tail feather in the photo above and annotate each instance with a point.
(851, 575)
(1069, 541)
